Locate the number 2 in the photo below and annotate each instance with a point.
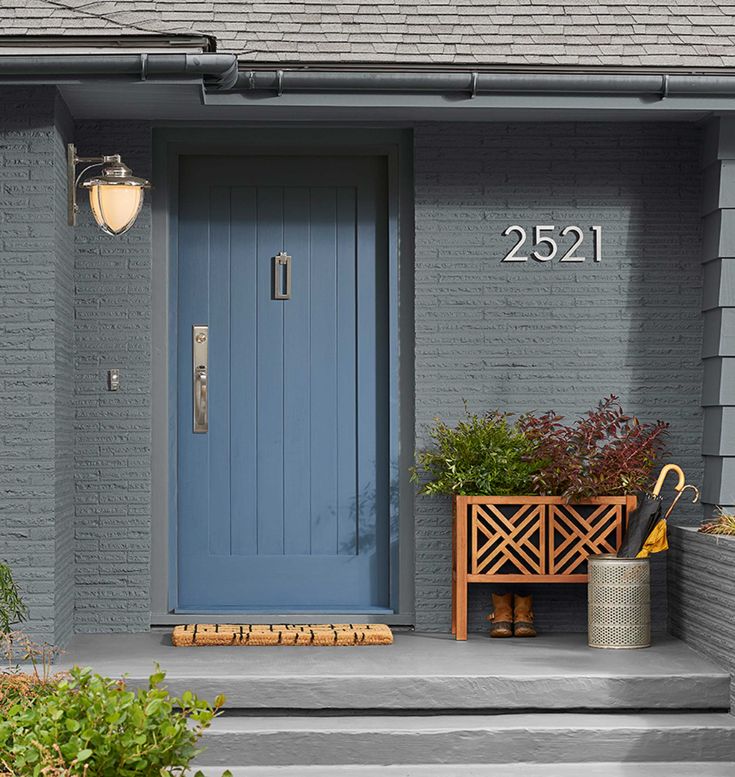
(569, 255)
(511, 255)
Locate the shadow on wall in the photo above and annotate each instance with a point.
(536, 335)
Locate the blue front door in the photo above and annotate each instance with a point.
(283, 501)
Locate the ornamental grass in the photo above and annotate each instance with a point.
(723, 524)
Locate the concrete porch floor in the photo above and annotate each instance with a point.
(420, 672)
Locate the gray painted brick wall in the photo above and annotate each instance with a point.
(35, 336)
(514, 336)
(702, 594)
(534, 336)
(112, 278)
(64, 385)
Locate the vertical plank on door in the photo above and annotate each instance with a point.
(243, 371)
(296, 386)
(269, 375)
(367, 465)
(193, 272)
(347, 377)
(323, 371)
(218, 384)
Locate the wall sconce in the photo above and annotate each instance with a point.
(115, 195)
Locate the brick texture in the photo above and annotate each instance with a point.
(515, 336)
(35, 337)
(702, 594)
(64, 385)
(112, 277)
(540, 335)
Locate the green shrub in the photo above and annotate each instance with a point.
(87, 725)
(482, 454)
(12, 609)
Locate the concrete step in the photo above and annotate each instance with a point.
(421, 672)
(702, 769)
(466, 739)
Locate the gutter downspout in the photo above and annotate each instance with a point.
(218, 71)
(472, 84)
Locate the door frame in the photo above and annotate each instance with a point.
(169, 144)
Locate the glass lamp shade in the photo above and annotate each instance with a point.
(115, 206)
(115, 197)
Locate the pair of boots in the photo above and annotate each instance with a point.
(512, 616)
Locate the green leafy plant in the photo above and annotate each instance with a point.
(82, 724)
(722, 524)
(12, 609)
(603, 453)
(482, 454)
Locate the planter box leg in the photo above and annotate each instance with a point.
(460, 570)
(454, 567)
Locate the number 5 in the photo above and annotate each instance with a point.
(540, 240)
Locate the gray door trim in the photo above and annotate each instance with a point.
(169, 143)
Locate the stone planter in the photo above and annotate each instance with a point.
(701, 586)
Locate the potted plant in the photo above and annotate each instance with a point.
(533, 496)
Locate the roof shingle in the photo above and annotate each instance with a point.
(472, 32)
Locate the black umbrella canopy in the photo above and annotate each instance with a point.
(640, 524)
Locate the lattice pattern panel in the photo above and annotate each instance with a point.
(577, 532)
(547, 539)
(508, 539)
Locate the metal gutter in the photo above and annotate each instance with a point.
(138, 43)
(217, 71)
(473, 83)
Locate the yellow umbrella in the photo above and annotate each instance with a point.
(658, 540)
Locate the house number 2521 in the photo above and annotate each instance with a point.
(545, 247)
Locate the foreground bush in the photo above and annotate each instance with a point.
(87, 725)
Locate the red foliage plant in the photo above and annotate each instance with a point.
(604, 453)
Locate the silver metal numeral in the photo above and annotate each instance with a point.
(542, 238)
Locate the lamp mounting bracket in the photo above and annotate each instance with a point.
(72, 160)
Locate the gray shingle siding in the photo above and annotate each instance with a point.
(113, 429)
(547, 335)
(718, 304)
(696, 34)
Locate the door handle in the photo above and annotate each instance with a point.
(200, 358)
(201, 421)
(282, 281)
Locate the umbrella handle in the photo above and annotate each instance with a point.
(664, 472)
(679, 496)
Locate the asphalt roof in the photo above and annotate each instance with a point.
(529, 32)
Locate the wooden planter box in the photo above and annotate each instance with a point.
(529, 539)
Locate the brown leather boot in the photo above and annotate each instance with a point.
(501, 617)
(523, 616)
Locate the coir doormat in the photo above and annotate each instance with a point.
(253, 635)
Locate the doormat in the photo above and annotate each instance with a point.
(321, 635)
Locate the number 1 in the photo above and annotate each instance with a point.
(597, 232)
